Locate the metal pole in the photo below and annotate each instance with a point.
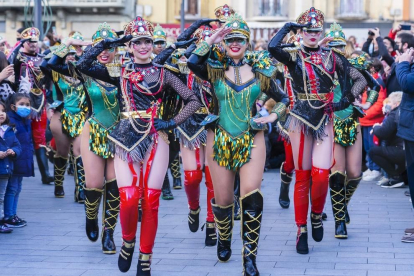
(38, 16)
(182, 13)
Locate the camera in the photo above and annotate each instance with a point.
(405, 27)
(371, 33)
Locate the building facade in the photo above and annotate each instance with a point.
(263, 16)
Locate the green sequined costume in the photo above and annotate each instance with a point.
(74, 108)
(104, 116)
(232, 119)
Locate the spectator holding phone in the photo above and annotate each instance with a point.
(405, 75)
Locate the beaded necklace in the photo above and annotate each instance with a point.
(237, 75)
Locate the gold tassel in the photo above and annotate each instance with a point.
(215, 74)
(55, 76)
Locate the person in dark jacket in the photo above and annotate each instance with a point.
(9, 150)
(19, 110)
(403, 42)
(391, 156)
(405, 74)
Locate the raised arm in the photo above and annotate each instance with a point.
(166, 53)
(275, 45)
(14, 59)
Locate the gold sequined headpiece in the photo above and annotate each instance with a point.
(104, 31)
(313, 16)
(203, 33)
(223, 12)
(31, 33)
(139, 28)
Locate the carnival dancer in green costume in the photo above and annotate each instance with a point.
(346, 173)
(235, 139)
(69, 117)
(97, 151)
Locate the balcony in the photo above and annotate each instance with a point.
(67, 3)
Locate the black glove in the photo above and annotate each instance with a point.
(190, 30)
(343, 103)
(112, 43)
(295, 26)
(185, 43)
(164, 125)
(190, 50)
(119, 33)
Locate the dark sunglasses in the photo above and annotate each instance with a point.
(237, 40)
(312, 31)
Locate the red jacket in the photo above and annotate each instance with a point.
(374, 113)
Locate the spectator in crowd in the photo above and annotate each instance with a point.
(6, 78)
(390, 157)
(373, 115)
(405, 75)
(371, 46)
(349, 49)
(9, 149)
(19, 110)
(4, 47)
(18, 32)
(352, 39)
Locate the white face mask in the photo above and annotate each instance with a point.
(47, 43)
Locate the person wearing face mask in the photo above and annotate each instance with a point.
(69, 116)
(149, 95)
(27, 61)
(235, 130)
(19, 111)
(310, 126)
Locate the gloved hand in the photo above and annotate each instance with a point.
(190, 50)
(109, 43)
(190, 30)
(184, 43)
(343, 103)
(160, 124)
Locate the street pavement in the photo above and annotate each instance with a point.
(54, 241)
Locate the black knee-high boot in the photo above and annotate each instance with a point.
(92, 201)
(337, 191)
(60, 169)
(350, 188)
(237, 197)
(110, 216)
(43, 165)
(223, 216)
(285, 180)
(176, 173)
(251, 218)
(79, 180)
(166, 189)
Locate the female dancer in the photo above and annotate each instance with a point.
(97, 151)
(348, 139)
(69, 117)
(139, 137)
(238, 79)
(310, 126)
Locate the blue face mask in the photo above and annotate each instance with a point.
(23, 111)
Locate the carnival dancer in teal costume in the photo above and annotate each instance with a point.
(346, 173)
(235, 139)
(148, 94)
(310, 127)
(69, 116)
(96, 149)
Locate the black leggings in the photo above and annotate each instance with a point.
(390, 159)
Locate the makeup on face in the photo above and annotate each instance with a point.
(142, 42)
(236, 40)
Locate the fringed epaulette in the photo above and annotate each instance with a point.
(337, 51)
(293, 52)
(263, 67)
(172, 68)
(215, 70)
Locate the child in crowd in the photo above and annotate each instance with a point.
(18, 111)
(9, 150)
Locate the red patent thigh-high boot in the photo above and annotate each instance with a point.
(149, 224)
(319, 190)
(211, 236)
(301, 202)
(128, 214)
(192, 180)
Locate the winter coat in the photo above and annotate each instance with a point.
(405, 74)
(388, 130)
(24, 163)
(9, 141)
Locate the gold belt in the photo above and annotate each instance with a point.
(312, 97)
(36, 91)
(135, 114)
(202, 110)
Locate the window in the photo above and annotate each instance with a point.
(351, 7)
(191, 7)
(2, 26)
(271, 8)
